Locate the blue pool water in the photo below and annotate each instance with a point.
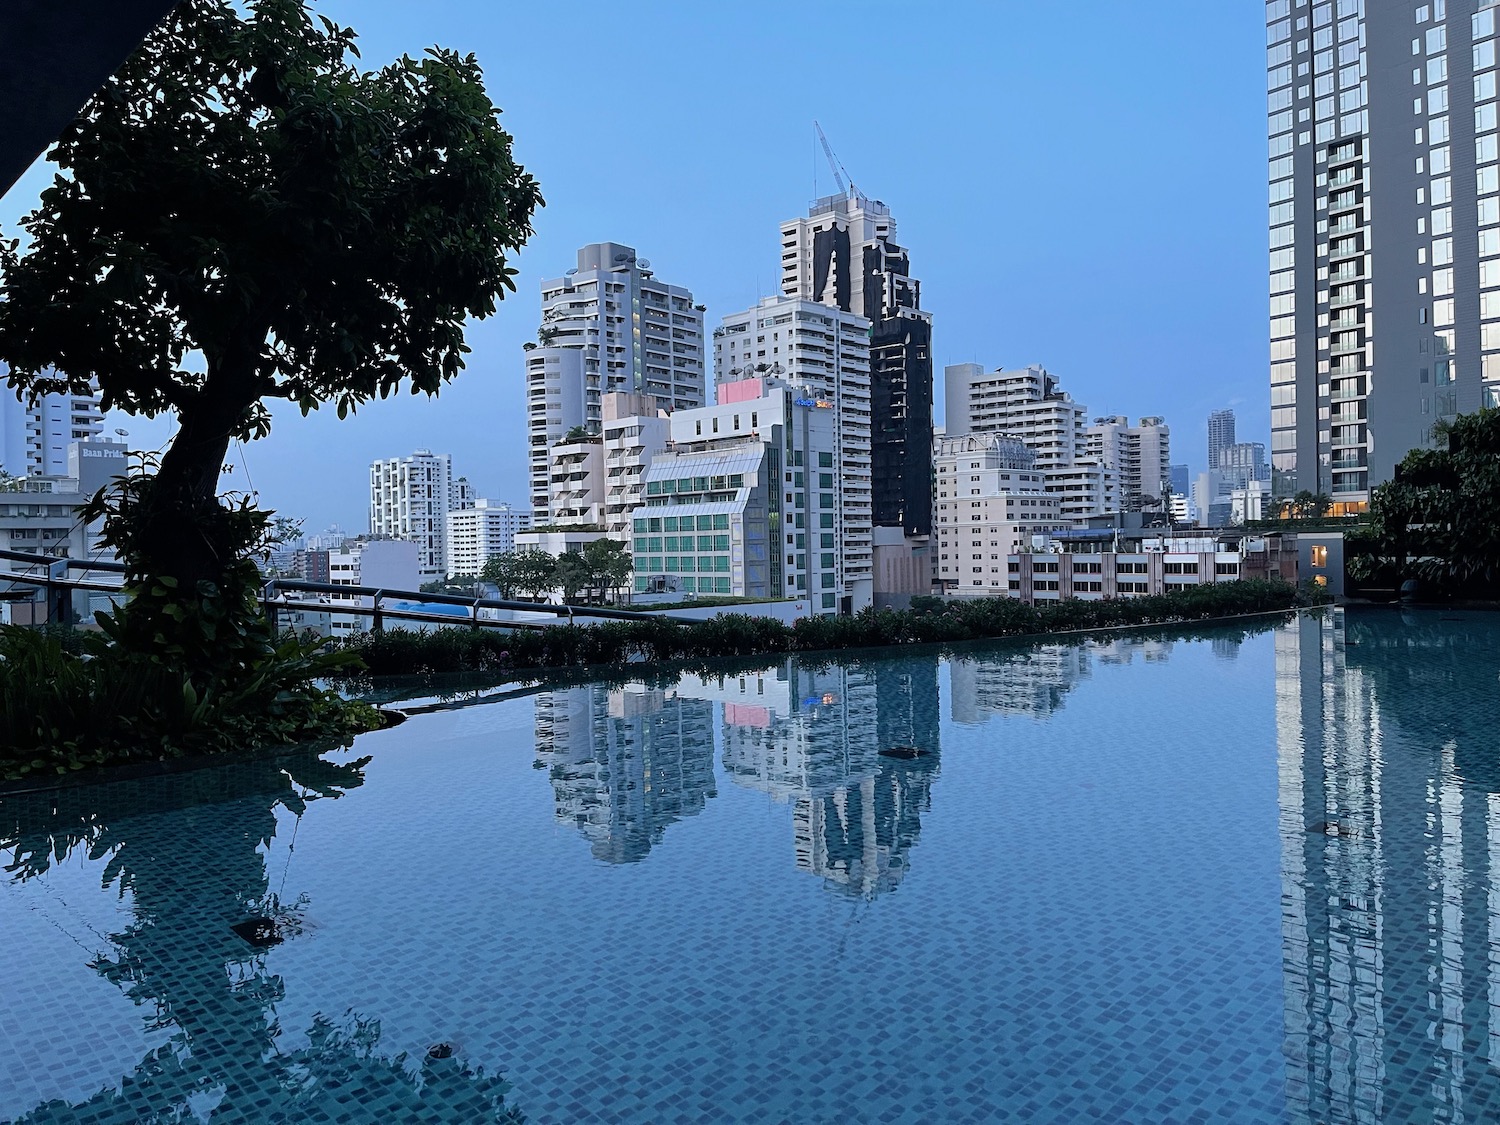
(1247, 876)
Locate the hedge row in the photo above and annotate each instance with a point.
(403, 652)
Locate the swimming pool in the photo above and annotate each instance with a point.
(1248, 875)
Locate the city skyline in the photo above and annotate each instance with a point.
(1141, 243)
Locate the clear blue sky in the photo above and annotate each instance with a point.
(1081, 185)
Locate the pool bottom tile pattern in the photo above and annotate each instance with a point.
(716, 900)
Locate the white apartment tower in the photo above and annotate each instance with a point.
(479, 533)
(1384, 196)
(410, 498)
(991, 500)
(809, 344)
(607, 325)
(34, 436)
(1140, 455)
(1029, 404)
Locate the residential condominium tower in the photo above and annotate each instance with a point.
(1030, 404)
(843, 254)
(1385, 234)
(607, 325)
(1140, 455)
(35, 435)
(807, 344)
(479, 533)
(410, 498)
(1220, 434)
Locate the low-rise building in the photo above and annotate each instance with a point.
(1092, 566)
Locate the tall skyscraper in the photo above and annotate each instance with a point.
(34, 436)
(1385, 234)
(410, 498)
(1220, 434)
(607, 325)
(843, 254)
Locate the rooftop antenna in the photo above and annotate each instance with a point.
(840, 173)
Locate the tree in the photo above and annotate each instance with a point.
(501, 571)
(607, 565)
(1439, 518)
(578, 433)
(535, 573)
(9, 483)
(242, 216)
(573, 574)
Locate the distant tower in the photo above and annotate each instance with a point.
(1220, 434)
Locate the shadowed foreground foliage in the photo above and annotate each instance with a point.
(72, 701)
(402, 652)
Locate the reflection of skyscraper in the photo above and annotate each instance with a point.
(1390, 902)
(625, 764)
(815, 738)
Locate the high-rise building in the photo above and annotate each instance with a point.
(1031, 405)
(843, 254)
(1242, 462)
(1220, 434)
(479, 533)
(1140, 455)
(607, 325)
(746, 502)
(1385, 234)
(410, 498)
(35, 436)
(810, 345)
(990, 501)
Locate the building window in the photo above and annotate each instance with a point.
(1320, 557)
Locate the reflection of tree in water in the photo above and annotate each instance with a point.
(191, 862)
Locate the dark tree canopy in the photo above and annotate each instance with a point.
(1439, 519)
(242, 191)
(241, 215)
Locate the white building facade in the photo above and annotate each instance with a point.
(991, 500)
(1140, 455)
(826, 352)
(607, 325)
(478, 534)
(1028, 403)
(754, 479)
(35, 436)
(410, 498)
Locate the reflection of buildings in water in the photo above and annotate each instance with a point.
(625, 764)
(1035, 681)
(813, 737)
(1390, 851)
(1030, 681)
(1226, 648)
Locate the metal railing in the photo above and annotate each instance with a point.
(52, 576)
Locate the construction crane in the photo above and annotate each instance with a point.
(840, 173)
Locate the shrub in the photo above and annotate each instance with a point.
(658, 639)
(71, 702)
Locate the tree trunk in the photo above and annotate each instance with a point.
(176, 536)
